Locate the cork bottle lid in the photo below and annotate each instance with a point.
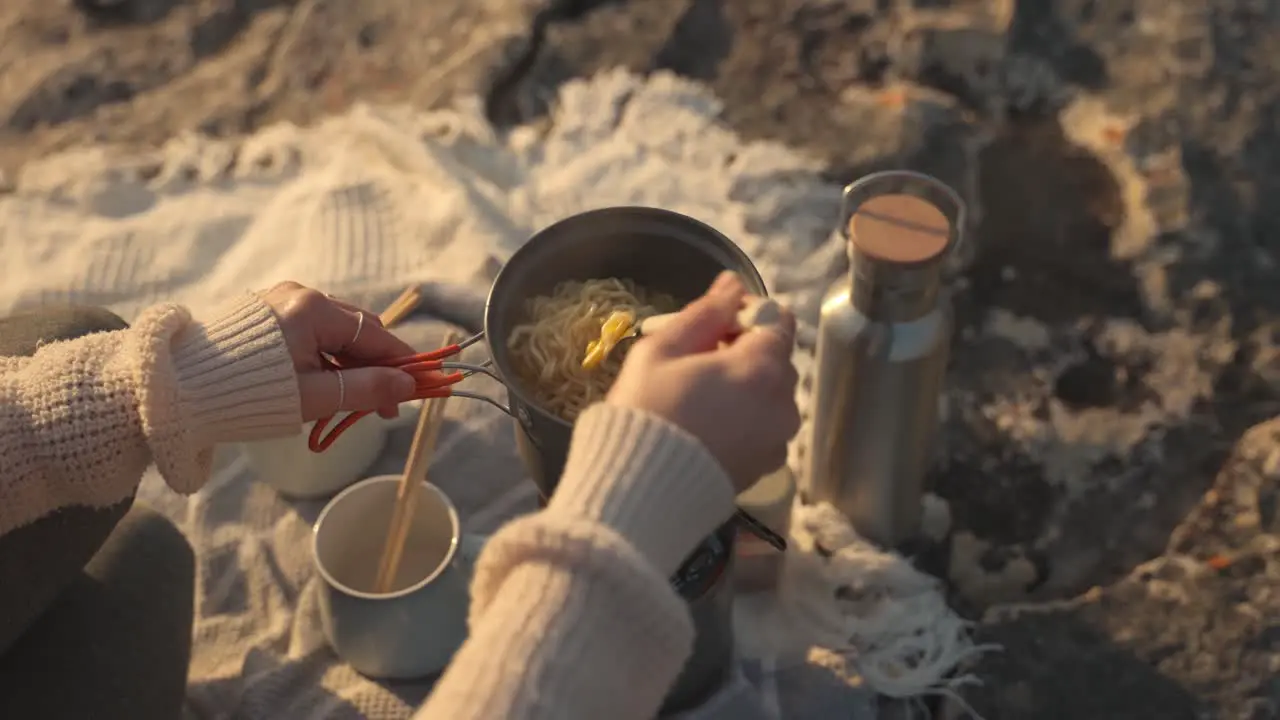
(900, 229)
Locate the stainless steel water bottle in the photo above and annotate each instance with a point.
(881, 355)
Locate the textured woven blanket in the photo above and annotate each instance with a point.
(362, 206)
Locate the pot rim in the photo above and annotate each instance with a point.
(500, 358)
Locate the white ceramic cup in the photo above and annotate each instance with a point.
(413, 631)
(289, 466)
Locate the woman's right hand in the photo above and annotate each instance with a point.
(739, 400)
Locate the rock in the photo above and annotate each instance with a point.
(125, 11)
(233, 67)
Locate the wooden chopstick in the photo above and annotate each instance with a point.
(401, 307)
(430, 418)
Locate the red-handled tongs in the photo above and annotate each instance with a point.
(434, 374)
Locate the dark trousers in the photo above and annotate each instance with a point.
(95, 603)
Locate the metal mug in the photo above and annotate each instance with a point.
(414, 630)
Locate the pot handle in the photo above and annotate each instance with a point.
(482, 398)
(469, 370)
(515, 412)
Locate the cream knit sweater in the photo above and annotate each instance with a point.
(572, 614)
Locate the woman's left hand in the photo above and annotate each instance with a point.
(314, 323)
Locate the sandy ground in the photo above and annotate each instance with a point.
(1110, 457)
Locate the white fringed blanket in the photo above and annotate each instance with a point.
(372, 201)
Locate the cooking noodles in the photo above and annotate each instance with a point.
(548, 349)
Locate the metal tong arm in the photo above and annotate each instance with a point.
(409, 360)
(426, 368)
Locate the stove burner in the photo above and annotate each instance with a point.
(700, 571)
(704, 567)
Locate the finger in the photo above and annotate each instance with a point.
(341, 331)
(727, 282)
(369, 315)
(360, 389)
(790, 418)
(776, 340)
(702, 324)
(788, 379)
(772, 379)
(376, 342)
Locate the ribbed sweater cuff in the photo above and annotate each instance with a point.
(649, 480)
(235, 376)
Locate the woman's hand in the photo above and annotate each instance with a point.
(315, 323)
(739, 400)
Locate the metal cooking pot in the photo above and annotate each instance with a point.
(660, 250)
(665, 252)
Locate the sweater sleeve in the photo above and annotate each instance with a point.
(573, 615)
(81, 419)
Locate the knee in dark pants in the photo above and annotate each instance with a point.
(122, 630)
(39, 560)
(146, 549)
(22, 334)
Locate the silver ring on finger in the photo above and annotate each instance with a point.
(359, 329)
(342, 391)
